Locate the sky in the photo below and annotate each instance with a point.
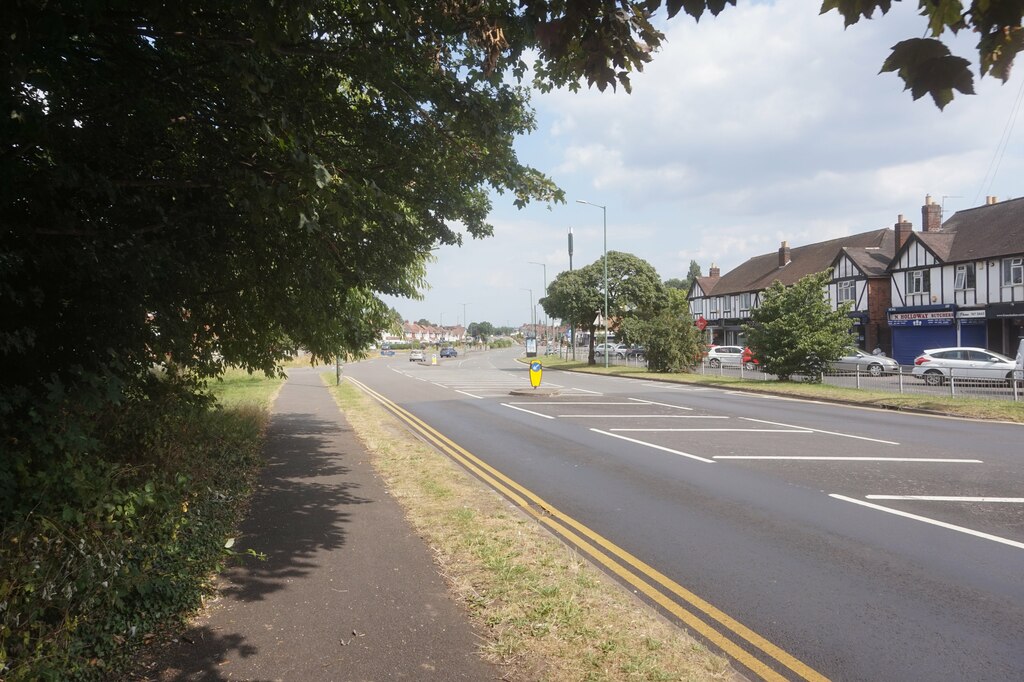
(768, 123)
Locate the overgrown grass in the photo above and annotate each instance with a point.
(238, 387)
(547, 614)
(973, 408)
(113, 544)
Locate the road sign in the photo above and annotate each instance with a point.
(702, 323)
(535, 371)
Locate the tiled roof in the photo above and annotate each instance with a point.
(760, 271)
(873, 261)
(987, 231)
(706, 284)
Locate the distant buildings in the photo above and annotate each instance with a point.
(955, 283)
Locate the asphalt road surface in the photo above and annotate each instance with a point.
(804, 540)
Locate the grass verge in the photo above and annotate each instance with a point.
(547, 613)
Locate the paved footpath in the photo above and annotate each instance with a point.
(348, 591)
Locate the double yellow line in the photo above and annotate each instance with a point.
(601, 550)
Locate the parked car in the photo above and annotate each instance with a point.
(731, 355)
(449, 352)
(856, 360)
(613, 349)
(415, 356)
(936, 365)
(635, 351)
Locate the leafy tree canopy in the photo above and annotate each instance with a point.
(578, 297)
(670, 340)
(481, 330)
(796, 331)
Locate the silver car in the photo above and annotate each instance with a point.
(856, 360)
(731, 355)
(936, 365)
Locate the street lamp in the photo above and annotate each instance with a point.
(543, 265)
(533, 313)
(604, 213)
(572, 325)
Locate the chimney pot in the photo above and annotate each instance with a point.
(931, 216)
(784, 255)
(903, 230)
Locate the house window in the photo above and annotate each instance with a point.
(1013, 271)
(918, 282)
(745, 301)
(965, 278)
(847, 291)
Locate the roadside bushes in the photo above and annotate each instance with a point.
(107, 544)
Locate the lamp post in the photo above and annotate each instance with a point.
(572, 325)
(465, 321)
(533, 319)
(544, 265)
(604, 213)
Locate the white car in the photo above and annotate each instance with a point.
(416, 356)
(936, 365)
(730, 355)
(856, 360)
(614, 350)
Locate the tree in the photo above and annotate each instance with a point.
(796, 331)
(578, 296)
(685, 284)
(424, 322)
(671, 341)
(481, 330)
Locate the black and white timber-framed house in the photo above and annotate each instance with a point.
(960, 283)
(727, 305)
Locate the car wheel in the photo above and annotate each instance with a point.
(749, 366)
(933, 378)
(875, 369)
(620, 355)
(715, 362)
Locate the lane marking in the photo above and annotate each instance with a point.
(478, 397)
(651, 402)
(629, 416)
(583, 390)
(934, 522)
(852, 458)
(558, 521)
(566, 402)
(946, 498)
(830, 433)
(724, 430)
(656, 447)
(536, 414)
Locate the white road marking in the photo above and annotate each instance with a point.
(934, 522)
(656, 447)
(945, 498)
(538, 414)
(651, 402)
(814, 458)
(583, 390)
(830, 433)
(566, 402)
(478, 397)
(721, 430)
(627, 416)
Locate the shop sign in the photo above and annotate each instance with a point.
(925, 319)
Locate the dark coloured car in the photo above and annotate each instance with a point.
(449, 352)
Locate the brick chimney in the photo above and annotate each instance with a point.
(903, 230)
(714, 271)
(931, 216)
(784, 255)
(990, 200)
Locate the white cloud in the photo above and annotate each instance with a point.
(767, 123)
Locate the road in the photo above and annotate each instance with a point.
(812, 541)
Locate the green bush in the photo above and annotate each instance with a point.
(107, 545)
